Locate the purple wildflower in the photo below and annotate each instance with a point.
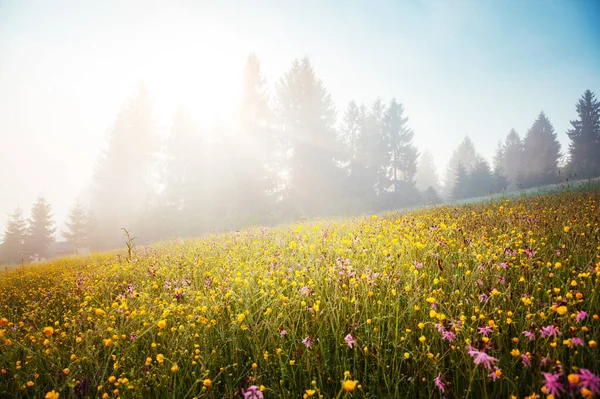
(504, 265)
(308, 341)
(305, 290)
(349, 340)
(552, 384)
(483, 298)
(253, 392)
(438, 382)
(485, 331)
(529, 335)
(282, 333)
(550, 331)
(529, 252)
(480, 357)
(493, 374)
(418, 265)
(581, 315)
(589, 380)
(526, 360)
(448, 336)
(577, 341)
(439, 328)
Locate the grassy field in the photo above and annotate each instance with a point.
(479, 300)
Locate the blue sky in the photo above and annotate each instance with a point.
(459, 67)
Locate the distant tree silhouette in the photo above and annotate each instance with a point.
(77, 227)
(124, 185)
(513, 159)
(40, 232)
(12, 249)
(462, 185)
(481, 180)
(584, 136)
(466, 154)
(358, 183)
(426, 172)
(541, 153)
(307, 115)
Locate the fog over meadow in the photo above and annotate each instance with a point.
(181, 118)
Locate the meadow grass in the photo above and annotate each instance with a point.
(481, 300)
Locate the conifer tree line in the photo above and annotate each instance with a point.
(288, 153)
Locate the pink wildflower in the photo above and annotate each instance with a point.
(589, 380)
(552, 384)
(581, 315)
(438, 382)
(550, 331)
(482, 358)
(349, 340)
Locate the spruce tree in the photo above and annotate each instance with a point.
(124, 179)
(513, 160)
(77, 226)
(358, 187)
(481, 181)
(12, 249)
(426, 172)
(307, 137)
(541, 153)
(466, 154)
(584, 148)
(461, 186)
(40, 230)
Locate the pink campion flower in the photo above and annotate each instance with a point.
(504, 265)
(552, 384)
(349, 340)
(581, 315)
(439, 328)
(589, 380)
(485, 331)
(253, 392)
(482, 358)
(305, 290)
(483, 298)
(448, 336)
(308, 341)
(577, 341)
(550, 331)
(418, 265)
(526, 360)
(438, 382)
(529, 335)
(530, 253)
(493, 374)
(282, 333)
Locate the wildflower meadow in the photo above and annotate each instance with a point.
(496, 299)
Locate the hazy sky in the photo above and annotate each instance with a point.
(459, 67)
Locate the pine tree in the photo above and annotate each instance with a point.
(426, 172)
(307, 117)
(358, 188)
(541, 153)
(253, 149)
(481, 181)
(77, 227)
(41, 230)
(584, 148)
(12, 249)
(374, 154)
(124, 182)
(461, 186)
(398, 136)
(466, 154)
(513, 160)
